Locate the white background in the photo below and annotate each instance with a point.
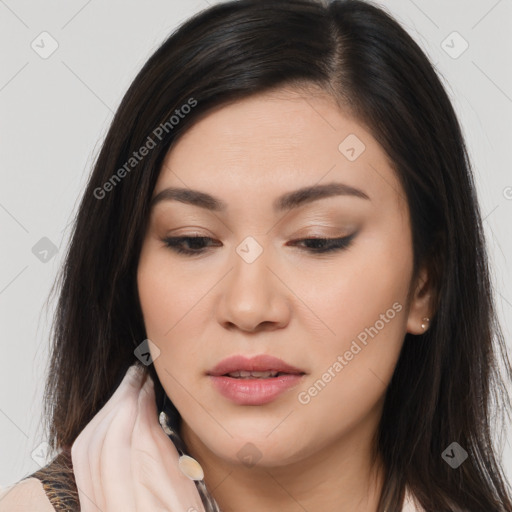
(54, 113)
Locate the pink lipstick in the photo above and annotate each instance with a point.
(254, 381)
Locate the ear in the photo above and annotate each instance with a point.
(420, 310)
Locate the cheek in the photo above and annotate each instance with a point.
(365, 310)
(357, 290)
(173, 306)
(166, 296)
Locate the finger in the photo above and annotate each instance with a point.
(145, 463)
(86, 451)
(129, 389)
(111, 462)
(80, 453)
(115, 460)
(86, 457)
(96, 444)
(159, 474)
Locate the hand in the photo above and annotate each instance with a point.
(123, 460)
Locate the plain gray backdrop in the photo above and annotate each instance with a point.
(56, 108)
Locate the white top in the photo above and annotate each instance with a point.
(29, 496)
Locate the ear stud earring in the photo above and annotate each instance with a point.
(425, 322)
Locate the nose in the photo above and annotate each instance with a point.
(253, 297)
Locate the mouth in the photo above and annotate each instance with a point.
(254, 381)
(262, 366)
(244, 374)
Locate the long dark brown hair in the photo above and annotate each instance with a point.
(446, 387)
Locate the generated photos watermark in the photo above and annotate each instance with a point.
(151, 142)
(361, 341)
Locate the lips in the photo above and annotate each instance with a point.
(262, 365)
(254, 381)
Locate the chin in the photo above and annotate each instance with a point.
(256, 447)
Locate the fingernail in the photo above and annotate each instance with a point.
(135, 371)
(150, 381)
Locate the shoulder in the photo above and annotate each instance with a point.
(27, 495)
(51, 488)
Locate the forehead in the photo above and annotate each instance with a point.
(278, 141)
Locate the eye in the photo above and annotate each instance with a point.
(325, 245)
(196, 244)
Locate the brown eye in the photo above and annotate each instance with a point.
(196, 244)
(325, 245)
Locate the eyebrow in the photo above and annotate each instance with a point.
(286, 202)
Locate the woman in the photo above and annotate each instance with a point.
(281, 249)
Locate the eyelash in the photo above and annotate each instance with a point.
(336, 244)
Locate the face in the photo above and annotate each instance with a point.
(256, 283)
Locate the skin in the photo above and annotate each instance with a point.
(123, 460)
(302, 307)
